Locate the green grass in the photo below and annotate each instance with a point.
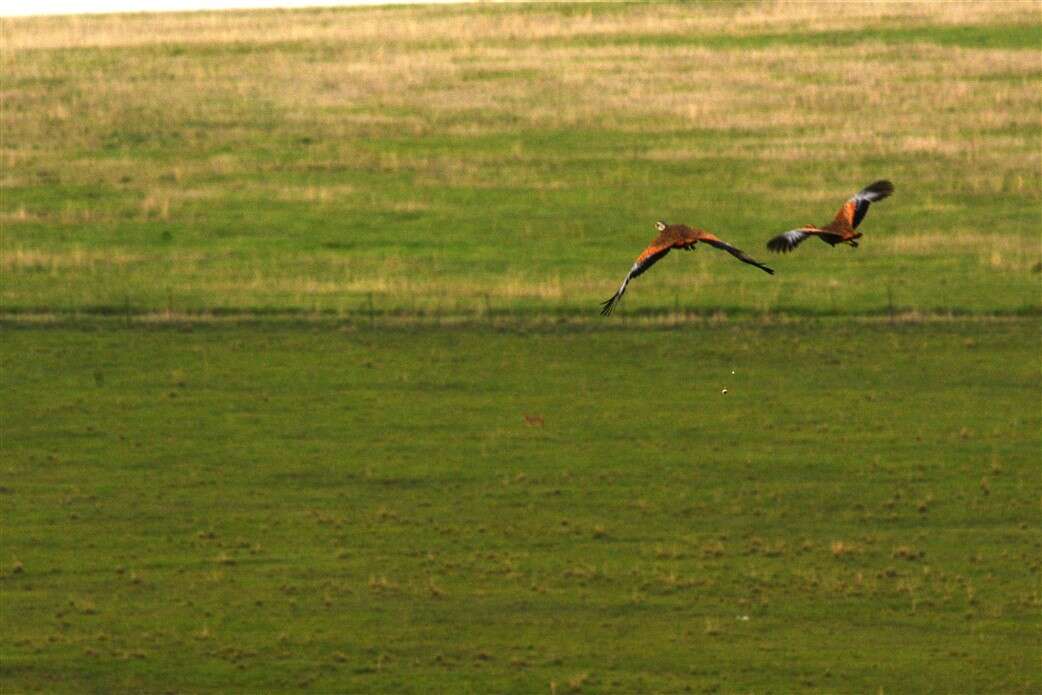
(1018, 36)
(520, 165)
(305, 386)
(269, 506)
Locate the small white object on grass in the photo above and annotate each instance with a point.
(723, 392)
(732, 372)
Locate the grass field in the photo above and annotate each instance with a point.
(460, 161)
(304, 385)
(370, 510)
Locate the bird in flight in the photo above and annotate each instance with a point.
(841, 229)
(674, 236)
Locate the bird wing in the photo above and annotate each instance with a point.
(716, 242)
(844, 219)
(652, 254)
(648, 257)
(869, 194)
(787, 241)
(855, 209)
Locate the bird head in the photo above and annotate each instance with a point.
(660, 225)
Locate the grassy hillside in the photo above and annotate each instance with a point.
(461, 160)
(305, 386)
(277, 508)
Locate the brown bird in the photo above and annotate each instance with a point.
(674, 236)
(841, 229)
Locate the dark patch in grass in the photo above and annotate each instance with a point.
(1015, 36)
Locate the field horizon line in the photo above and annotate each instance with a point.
(106, 317)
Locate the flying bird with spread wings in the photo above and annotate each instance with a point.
(840, 230)
(674, 236)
